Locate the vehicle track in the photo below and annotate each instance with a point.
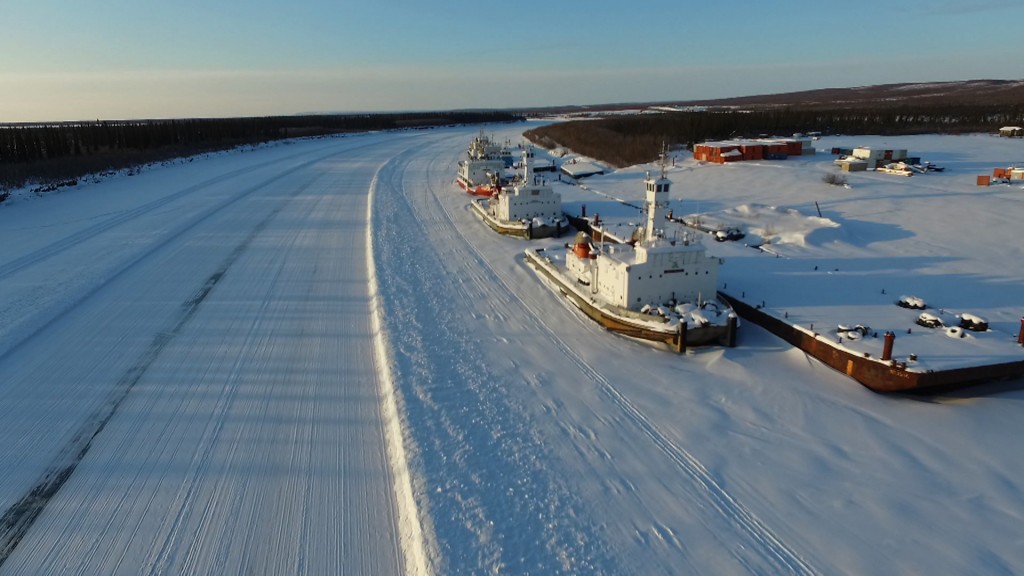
(55, 312)
(119, 218)
(19, 517)
(761, 540)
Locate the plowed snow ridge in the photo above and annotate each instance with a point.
(410, 532)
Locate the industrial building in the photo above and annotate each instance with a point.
(759, 149)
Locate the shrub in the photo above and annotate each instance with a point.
(834, 179)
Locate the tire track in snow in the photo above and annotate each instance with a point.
(161, 563)
(761, 540)
(16, 521)
(67, 242)
(57, 311)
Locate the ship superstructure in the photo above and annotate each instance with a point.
(664, 287)
(528, 208)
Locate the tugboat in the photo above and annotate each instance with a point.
(660, 289)
(481, 173)
(529, 208)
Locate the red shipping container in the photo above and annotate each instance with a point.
(984, 181)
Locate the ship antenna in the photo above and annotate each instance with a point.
(664, 158)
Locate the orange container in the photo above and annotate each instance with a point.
(1000, 173)
(984, 180)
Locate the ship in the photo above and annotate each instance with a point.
(659, 288)
(528, 208)
(481, 172)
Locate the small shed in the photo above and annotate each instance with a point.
(577, 169)
(1012, 132)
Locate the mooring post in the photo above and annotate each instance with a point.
(681, 337)
(731, 330)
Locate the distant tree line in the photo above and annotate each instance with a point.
(53, 152)
(633, 139)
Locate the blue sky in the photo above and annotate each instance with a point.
(88, 59)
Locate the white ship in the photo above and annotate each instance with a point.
(529, 208)
(481, 172)
(662, 289)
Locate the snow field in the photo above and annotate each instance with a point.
(302, 316)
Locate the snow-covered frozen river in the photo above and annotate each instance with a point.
(203, 368)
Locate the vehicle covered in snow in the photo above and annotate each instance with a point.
(728, 234)
(912, 302)
(973, 323)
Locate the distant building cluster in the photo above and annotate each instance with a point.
(758, 149)
(864, 158)
(1008, 175)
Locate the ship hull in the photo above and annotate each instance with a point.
(519, 229)
(677, 338)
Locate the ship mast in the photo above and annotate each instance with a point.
(527, 165)
(656, 201)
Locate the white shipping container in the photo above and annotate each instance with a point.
(868, 153)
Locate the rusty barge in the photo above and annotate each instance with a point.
(882, 373)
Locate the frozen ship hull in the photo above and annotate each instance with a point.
(519, 229)
(628, 323)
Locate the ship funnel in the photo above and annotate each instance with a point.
(890, 337)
